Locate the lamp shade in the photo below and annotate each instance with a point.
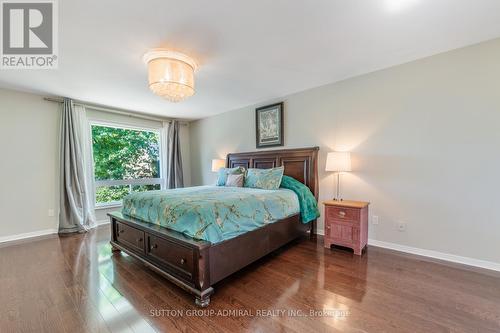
(338, 161)
(170, 74)
(217, 164)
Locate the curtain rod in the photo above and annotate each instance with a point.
(111, 110)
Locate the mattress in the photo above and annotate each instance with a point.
(212, 213)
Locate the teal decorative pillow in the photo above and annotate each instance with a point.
(267, 179)
(223, 172)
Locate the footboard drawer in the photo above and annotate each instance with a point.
(130, 237)
(173, 256)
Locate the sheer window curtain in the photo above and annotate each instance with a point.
(171, 159)
(85, 136)
(77, 199)
(163, 154)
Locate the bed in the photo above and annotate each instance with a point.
(197, 264)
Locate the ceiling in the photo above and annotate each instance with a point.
(248, 51)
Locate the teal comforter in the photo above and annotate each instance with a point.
(308, 205)
(211, 213)
(218, 213)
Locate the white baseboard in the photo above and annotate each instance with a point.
(39, 233)
(26, 235)
(437, 255)
(432, 254)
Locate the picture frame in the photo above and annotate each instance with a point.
(269, 126)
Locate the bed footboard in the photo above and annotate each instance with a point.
(196, 265)
(180, 259)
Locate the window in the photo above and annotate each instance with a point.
(125, 160)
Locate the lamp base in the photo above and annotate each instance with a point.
(338, 198)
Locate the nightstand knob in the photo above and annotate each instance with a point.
(342, 214)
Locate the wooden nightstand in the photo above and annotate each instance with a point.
(346, 224)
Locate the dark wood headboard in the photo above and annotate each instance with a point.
(301, 163)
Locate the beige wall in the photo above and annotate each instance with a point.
(29, 166)
(425, 138)
(29, 132)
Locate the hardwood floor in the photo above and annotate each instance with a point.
(75, 284)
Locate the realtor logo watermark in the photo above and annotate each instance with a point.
(29, 34)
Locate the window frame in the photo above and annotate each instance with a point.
(125, 182)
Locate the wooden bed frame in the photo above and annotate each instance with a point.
(196, 265)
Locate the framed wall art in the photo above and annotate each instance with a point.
(269, 125)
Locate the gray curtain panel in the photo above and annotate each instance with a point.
(174, 161)
(72, 203)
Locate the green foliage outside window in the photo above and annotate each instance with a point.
(124, 154)
(111, 193)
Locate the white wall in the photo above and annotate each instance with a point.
(29, 163)
(425, 138)
(29, 136)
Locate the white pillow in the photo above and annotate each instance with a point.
(235, 180)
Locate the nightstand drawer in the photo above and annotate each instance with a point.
(342, 214)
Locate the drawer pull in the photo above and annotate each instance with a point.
(342, 214)
(183, 261)
(121, 231)
(154, 246)
(139, 240)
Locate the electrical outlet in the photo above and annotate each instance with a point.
(375, 219)
(401, 226)
(51, 213)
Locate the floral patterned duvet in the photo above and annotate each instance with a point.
(212, 213)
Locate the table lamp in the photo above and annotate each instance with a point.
(338, 162)
(217, 164)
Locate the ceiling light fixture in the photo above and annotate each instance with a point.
(170, 74)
